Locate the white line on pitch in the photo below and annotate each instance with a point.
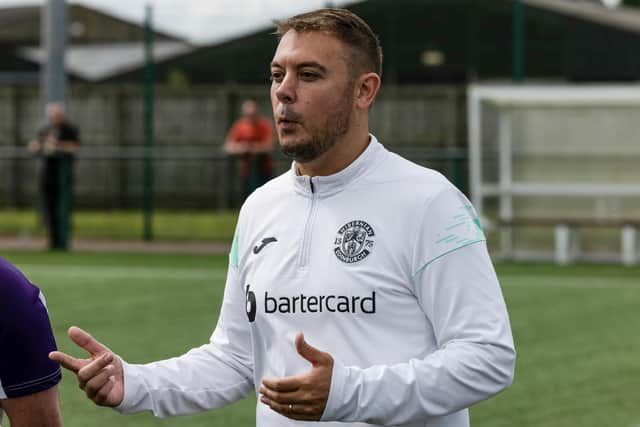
(121, 272)
(560, 282)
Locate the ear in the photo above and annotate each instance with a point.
(367, 87)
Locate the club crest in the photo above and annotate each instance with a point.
(354, 241)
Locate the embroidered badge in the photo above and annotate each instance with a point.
(354, 241)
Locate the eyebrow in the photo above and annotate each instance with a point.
(312, 64)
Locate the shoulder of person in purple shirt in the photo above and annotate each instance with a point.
(26, 337)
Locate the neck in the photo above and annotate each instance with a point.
(344, 152)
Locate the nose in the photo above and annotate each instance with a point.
(286, 90)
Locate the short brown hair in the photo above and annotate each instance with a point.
(346, 26)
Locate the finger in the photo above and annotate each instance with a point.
(310, 353)
(92, 369)
(283, 397)
(102, 396)
(86, 341)
(286, 384)
(67, 362)
(95, 384)
(296, 411)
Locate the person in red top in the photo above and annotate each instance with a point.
(251, 139)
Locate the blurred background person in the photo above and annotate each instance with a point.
(56, 143)
(28, 379)
(251, 140)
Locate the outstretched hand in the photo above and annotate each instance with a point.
(101, 375)
(301, 397)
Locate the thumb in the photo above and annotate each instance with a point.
(86, 341)
(310, 353)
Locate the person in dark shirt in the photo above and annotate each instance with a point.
(28, 379)
(55, 143)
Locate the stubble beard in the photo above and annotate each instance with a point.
(322, 139)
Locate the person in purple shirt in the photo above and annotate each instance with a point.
(28, 379)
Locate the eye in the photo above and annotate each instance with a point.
(308, 75)
(276, 76)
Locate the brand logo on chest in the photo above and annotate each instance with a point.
(354, 241)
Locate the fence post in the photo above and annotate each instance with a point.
(148, 129)
(64, 203)
(254, 175)
(13, 162)
(518, 41)
(457, 160)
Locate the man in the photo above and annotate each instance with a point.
(382, 264)
(28, 379)
(251, 139)
(56, 143)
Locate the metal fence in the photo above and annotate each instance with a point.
(112, 178)
(425, 123)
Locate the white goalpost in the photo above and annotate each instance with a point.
(557, 169)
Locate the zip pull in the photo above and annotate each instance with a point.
(311, 185)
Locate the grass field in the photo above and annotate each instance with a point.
(576, 332)
(128, 225)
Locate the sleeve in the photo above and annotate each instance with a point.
(456, 286)
(26, 339)
(234, 133)
(206, 377)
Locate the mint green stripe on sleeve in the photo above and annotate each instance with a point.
(233, 255)
(447, 253)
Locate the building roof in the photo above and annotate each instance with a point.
(99, 46)
(445, 41)
(100, 61)
(22, 25)
(9, 15)
(424, 41)
(622, 17)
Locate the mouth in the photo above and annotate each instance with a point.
(286, 124)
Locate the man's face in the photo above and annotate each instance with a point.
(250, 110)
(56, 114)
(311, 93)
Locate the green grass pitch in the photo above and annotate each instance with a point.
(576, 333)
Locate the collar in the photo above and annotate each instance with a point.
(331, 184)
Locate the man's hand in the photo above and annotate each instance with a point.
(301, 397)
(49, 146)
(34, 146)
(236, 147)
(101, 375)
